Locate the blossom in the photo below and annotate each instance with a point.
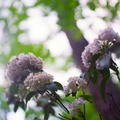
(78, 101)
(20, 66)
(74, 106)
(110, 35)
(89, 51)
(74, 84)
(38, 81)
(82, 84)
(108, 41)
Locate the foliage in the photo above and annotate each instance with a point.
(68, 13)
(4, 108)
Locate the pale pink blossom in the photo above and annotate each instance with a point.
(78, 101)
(89, 51)
(75, 84)
(20, 66)
(38, 81)
(74, 106)
(110, 35)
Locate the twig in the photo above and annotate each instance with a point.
(52, 96)
(64, 117)
(63, 105)
(84, 109)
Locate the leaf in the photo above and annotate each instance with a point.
(114, 67)
(59, 86)
(92, 5)
(104, 62)
(94, 76)
(52, 111)
(102, 86)
(16, 106)
(47, 111)
(94, 58)
(41, 92)
(14, 88)
(87, 97)
(52, 87)
(22, 105)
(29, 95)
(36, 118)
(115, 48)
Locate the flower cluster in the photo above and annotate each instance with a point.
(74, 106)
(38, 81)
(20, 66)
(107, 39)
(89, 51)
(109, 35)
(75, 84)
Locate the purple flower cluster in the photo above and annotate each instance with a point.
(108, 38)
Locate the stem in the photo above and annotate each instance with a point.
(84, 109)
(65, 117)
(63, 105)
(54, 97)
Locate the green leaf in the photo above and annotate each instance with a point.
(16, 106)
(102, 86)
(114, 67)
(59, 86)
(14, 88)
(36, 118)
(29, 95)
(41, 92)
(22, 105)
(94, 76)
(52, 87)
(91, 5)
(52, 111)
(47, 111)
(87, 97)
(94, 58)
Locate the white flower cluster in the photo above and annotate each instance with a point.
(38, 81)
(107, 36)
(74, 106)
(75, 84)
(20, 66)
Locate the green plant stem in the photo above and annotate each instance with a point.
(84, 109)
(57, 100)
(62, 105)
(65, 117)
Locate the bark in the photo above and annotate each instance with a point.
(109, 110)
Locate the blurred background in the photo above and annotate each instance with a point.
(41, 27)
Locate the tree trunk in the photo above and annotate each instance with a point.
(109, 110)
